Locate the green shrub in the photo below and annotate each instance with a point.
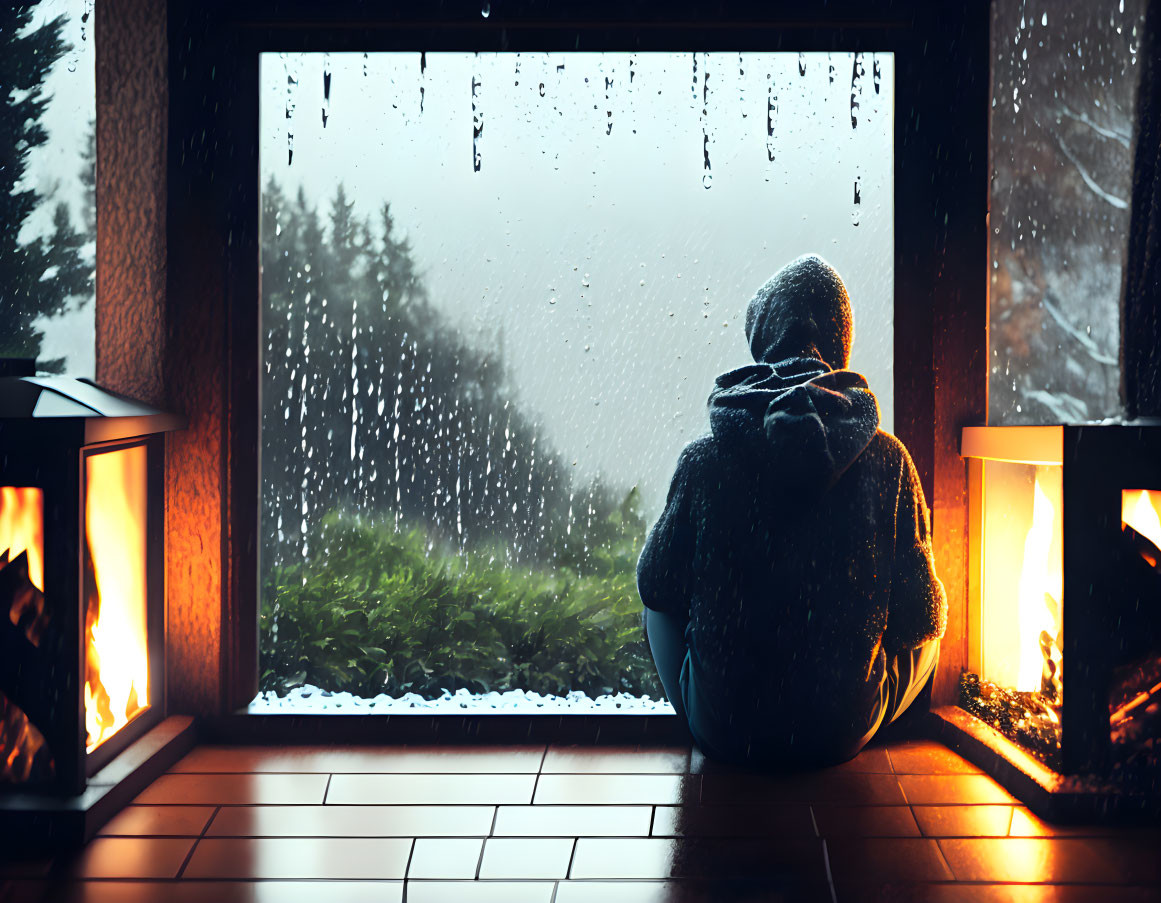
(386, 611)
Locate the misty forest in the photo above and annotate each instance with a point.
(420, 534)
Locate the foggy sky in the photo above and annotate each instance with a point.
(616, 279)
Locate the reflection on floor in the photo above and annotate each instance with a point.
(906, 821)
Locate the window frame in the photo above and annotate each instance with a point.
(940, 204)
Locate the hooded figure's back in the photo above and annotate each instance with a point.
(795, 535)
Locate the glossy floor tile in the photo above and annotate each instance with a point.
(885, 859)
(526, 857)
(780, 820)
(617, 760)
(159, 821)
(904, 822)
(480, 891)
(352, 821)
(800, 859)
(864, 821)
(1065, 860)
(836, 787)
(960, 789)
(209, 892)
(355, 858)
(927, 757)
(732, 891)
(615, 789)
(132, 857)
(235, 789)
(963, 821)
(372, 760)
(445, 857)
(431, 789)
(573, 821)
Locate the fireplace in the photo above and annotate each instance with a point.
(82, 603)
(1064, 592)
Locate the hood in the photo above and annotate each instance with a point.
(803, 310)
(811, 420)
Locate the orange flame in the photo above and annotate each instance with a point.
(1041, 588)
(116, 660)
(22, 531)
(1141, 510)
(22, 528)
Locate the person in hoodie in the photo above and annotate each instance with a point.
(791, 601)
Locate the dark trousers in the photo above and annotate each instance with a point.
(906, 674)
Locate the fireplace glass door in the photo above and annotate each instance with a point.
(1064, 602)
(115, 590)
(1023, 579)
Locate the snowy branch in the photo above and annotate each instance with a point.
(1084, 340)
(1064, 408)
(1118, 135)
(1119, 203)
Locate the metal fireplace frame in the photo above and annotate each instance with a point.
(49, 453)
(1098, 462)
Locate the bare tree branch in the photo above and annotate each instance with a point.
(1085, 341)
(1064, 408)
(1119, 203)
(1120, 136)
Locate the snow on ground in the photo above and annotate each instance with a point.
(311, 700)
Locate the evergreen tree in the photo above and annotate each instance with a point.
(70, 273)
(88, 177)
(374, 404)
(30, 286)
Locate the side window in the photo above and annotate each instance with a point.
(496, 291)
(47, 197)
(1063, 103)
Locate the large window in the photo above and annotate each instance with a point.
(496, 290)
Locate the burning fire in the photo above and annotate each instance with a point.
(22, 532)
(22, 528)
(1041, 588)
(1141, 510)
(116, 657)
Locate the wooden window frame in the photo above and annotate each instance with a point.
(942, 90)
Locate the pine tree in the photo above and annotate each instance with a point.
(68, 269)
(88, 178)
(30, 283)
(373, 403)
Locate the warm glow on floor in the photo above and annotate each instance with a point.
(117, 662)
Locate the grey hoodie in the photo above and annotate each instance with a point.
(795, 536)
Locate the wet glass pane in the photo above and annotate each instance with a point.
(47, 198)
(1063, 100)
(496, 291)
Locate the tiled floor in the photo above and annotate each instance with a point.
(910, 821)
